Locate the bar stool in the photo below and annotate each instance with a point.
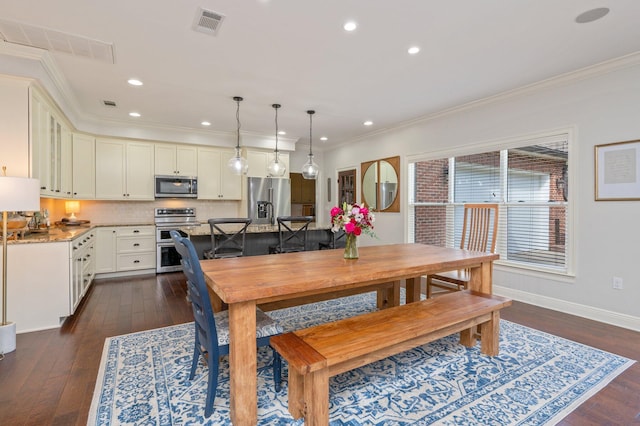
(227, 237)
(334, 241)
(292, 232)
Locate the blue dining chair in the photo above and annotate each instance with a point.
(212, 330)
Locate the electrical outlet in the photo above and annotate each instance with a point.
(617, 283)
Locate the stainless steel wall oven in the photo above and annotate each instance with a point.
(167, 219)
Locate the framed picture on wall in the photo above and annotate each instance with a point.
(617, 167)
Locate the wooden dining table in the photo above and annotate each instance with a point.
(244, 282)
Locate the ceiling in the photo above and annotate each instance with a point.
(296, 53)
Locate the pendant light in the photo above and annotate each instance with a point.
(238, 164)
(310, 168)
(276, 167)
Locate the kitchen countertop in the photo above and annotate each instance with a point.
(61, 233)
(52, 235)
(69, 233)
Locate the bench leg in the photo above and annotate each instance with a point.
(468, 337)
(316, 398)
(490, 332)
(296, 394)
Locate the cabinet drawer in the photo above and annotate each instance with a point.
(133, 261)
(134, 231)
(136, 244)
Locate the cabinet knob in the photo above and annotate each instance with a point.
(136, 261)
(136, 245)
(135, 231)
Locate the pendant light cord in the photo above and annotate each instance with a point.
(238, 122)
(238, 99)
(276, 106)
(311, 112)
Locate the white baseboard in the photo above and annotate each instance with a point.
(589, 312)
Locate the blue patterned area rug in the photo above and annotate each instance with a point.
(536, 380)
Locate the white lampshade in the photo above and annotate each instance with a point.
(19, 194)
(72, 207)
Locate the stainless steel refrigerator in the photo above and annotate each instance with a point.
(268, 198)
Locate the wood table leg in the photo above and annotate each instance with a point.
(389, 296)
(243, 363)
(481, 277)
(412, 286)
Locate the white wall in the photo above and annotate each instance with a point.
(601, 105)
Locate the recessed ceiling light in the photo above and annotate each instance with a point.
(134, 82)
(413, 50)
(206, 123)
(282, 132)
(324, 138)
(350, 26)
(592, 15)
(134, 114)
(368, 123)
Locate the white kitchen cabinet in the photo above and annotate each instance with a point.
(64, 167)
(124, 170)
(259, 161)
(179, 160)
(105, 249)
(51, 148)
(82, 267)
(38, 296)
(42, 297)
(215, 180)
(125, 248)
(84, 166)
(139, 178)
(135, 248)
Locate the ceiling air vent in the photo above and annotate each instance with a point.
(110, 104)
(56, 41)
(208, 21)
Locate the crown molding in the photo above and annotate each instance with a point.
(592, 71)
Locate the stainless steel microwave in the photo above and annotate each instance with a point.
(176, 186)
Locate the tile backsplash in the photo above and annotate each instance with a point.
(137, 212)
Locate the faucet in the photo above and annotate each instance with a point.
(270, 212)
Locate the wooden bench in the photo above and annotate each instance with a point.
(316, 353)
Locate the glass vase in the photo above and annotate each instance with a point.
(351, 247)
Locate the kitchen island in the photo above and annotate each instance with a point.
(259, 237)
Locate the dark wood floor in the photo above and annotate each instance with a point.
(49, 379)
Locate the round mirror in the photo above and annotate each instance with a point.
(370, 186)
(380, 184)
(388, 185)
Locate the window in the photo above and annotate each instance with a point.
(529, 181)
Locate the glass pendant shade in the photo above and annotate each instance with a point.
(310, 168)
(238, 164)
(275, 166)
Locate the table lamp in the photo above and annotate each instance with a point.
(16, 194)
(72, 207)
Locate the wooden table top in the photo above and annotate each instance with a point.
(276, 277)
